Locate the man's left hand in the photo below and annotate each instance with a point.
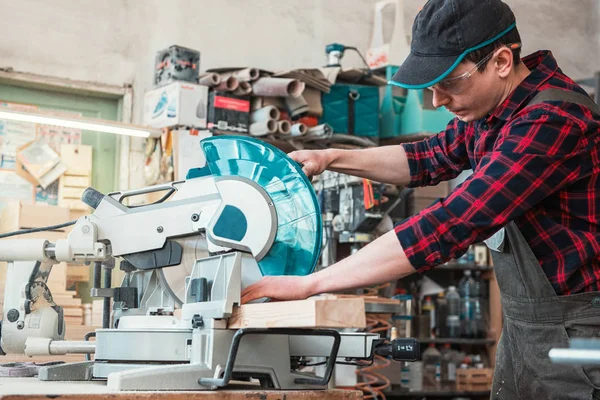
(279, 288)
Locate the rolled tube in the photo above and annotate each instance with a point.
(244, 89)
(284, 127)
(263, 128)
(242, 75)
(209, 79)
(298, 130)
(265, 113)
(228, 85)
(278, 87)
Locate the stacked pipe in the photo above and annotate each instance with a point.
(266, 120)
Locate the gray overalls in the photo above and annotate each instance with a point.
(536, 319)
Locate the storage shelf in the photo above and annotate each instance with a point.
(465, 341)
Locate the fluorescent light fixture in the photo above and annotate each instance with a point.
(89, 124)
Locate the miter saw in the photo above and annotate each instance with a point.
(249, 212)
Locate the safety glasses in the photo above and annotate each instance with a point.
(456, 84)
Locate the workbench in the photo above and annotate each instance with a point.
(34, 389)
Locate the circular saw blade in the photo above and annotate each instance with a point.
(298, 240)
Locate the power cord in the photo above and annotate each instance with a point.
(42, 229)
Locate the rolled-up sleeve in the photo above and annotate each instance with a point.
(440, 157)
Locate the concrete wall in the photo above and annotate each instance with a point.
(114, 41)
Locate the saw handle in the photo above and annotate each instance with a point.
(171, 187)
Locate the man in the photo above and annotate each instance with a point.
(533, 193)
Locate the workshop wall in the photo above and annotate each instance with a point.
(115, 42)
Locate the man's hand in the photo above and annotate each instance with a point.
(279, 288)
(314, 162)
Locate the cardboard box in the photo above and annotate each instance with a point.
(17, 215)
(187, 153)
(176, 64)
(228, 113)
(177, 104)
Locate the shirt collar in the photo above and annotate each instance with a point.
(542, 66)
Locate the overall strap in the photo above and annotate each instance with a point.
(567, 96)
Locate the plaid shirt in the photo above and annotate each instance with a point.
(536, 165)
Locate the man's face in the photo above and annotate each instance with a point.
(474, 94)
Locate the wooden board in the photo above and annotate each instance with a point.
(78, 159)
(311, 313)
(77, 181)
(221, 395)
(78, 273)
(34, 389)
(367, 299)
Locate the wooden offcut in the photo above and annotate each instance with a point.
(77, 178)
(474, 379)
(310, 313)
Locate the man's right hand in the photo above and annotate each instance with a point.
(314, 162)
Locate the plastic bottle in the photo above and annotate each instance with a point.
(428, 309)
(448, 365)
(441, 315)
(471, 255)
(466, 286)
(454, 308)
(405, 375)
(479, 306)
(432, 368)
(416, 376)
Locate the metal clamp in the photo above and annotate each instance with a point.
(235, 344)
(87, 339)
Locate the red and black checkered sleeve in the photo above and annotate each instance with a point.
(534, 156)
(440, 157)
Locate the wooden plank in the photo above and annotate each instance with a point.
(34, 389)
(367, 299)
(310, 313)
(76, 181)
(41, 215)
(74, 204)
(78, 332)
(78, 273)
(72, 192)
(73, 312)
(77, 158)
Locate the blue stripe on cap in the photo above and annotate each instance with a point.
(458, 60)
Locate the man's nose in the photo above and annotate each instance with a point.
(440, 99)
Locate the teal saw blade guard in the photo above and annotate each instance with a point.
(297, 246)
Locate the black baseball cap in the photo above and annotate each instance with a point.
(444, 32)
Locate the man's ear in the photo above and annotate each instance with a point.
(504, 62)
